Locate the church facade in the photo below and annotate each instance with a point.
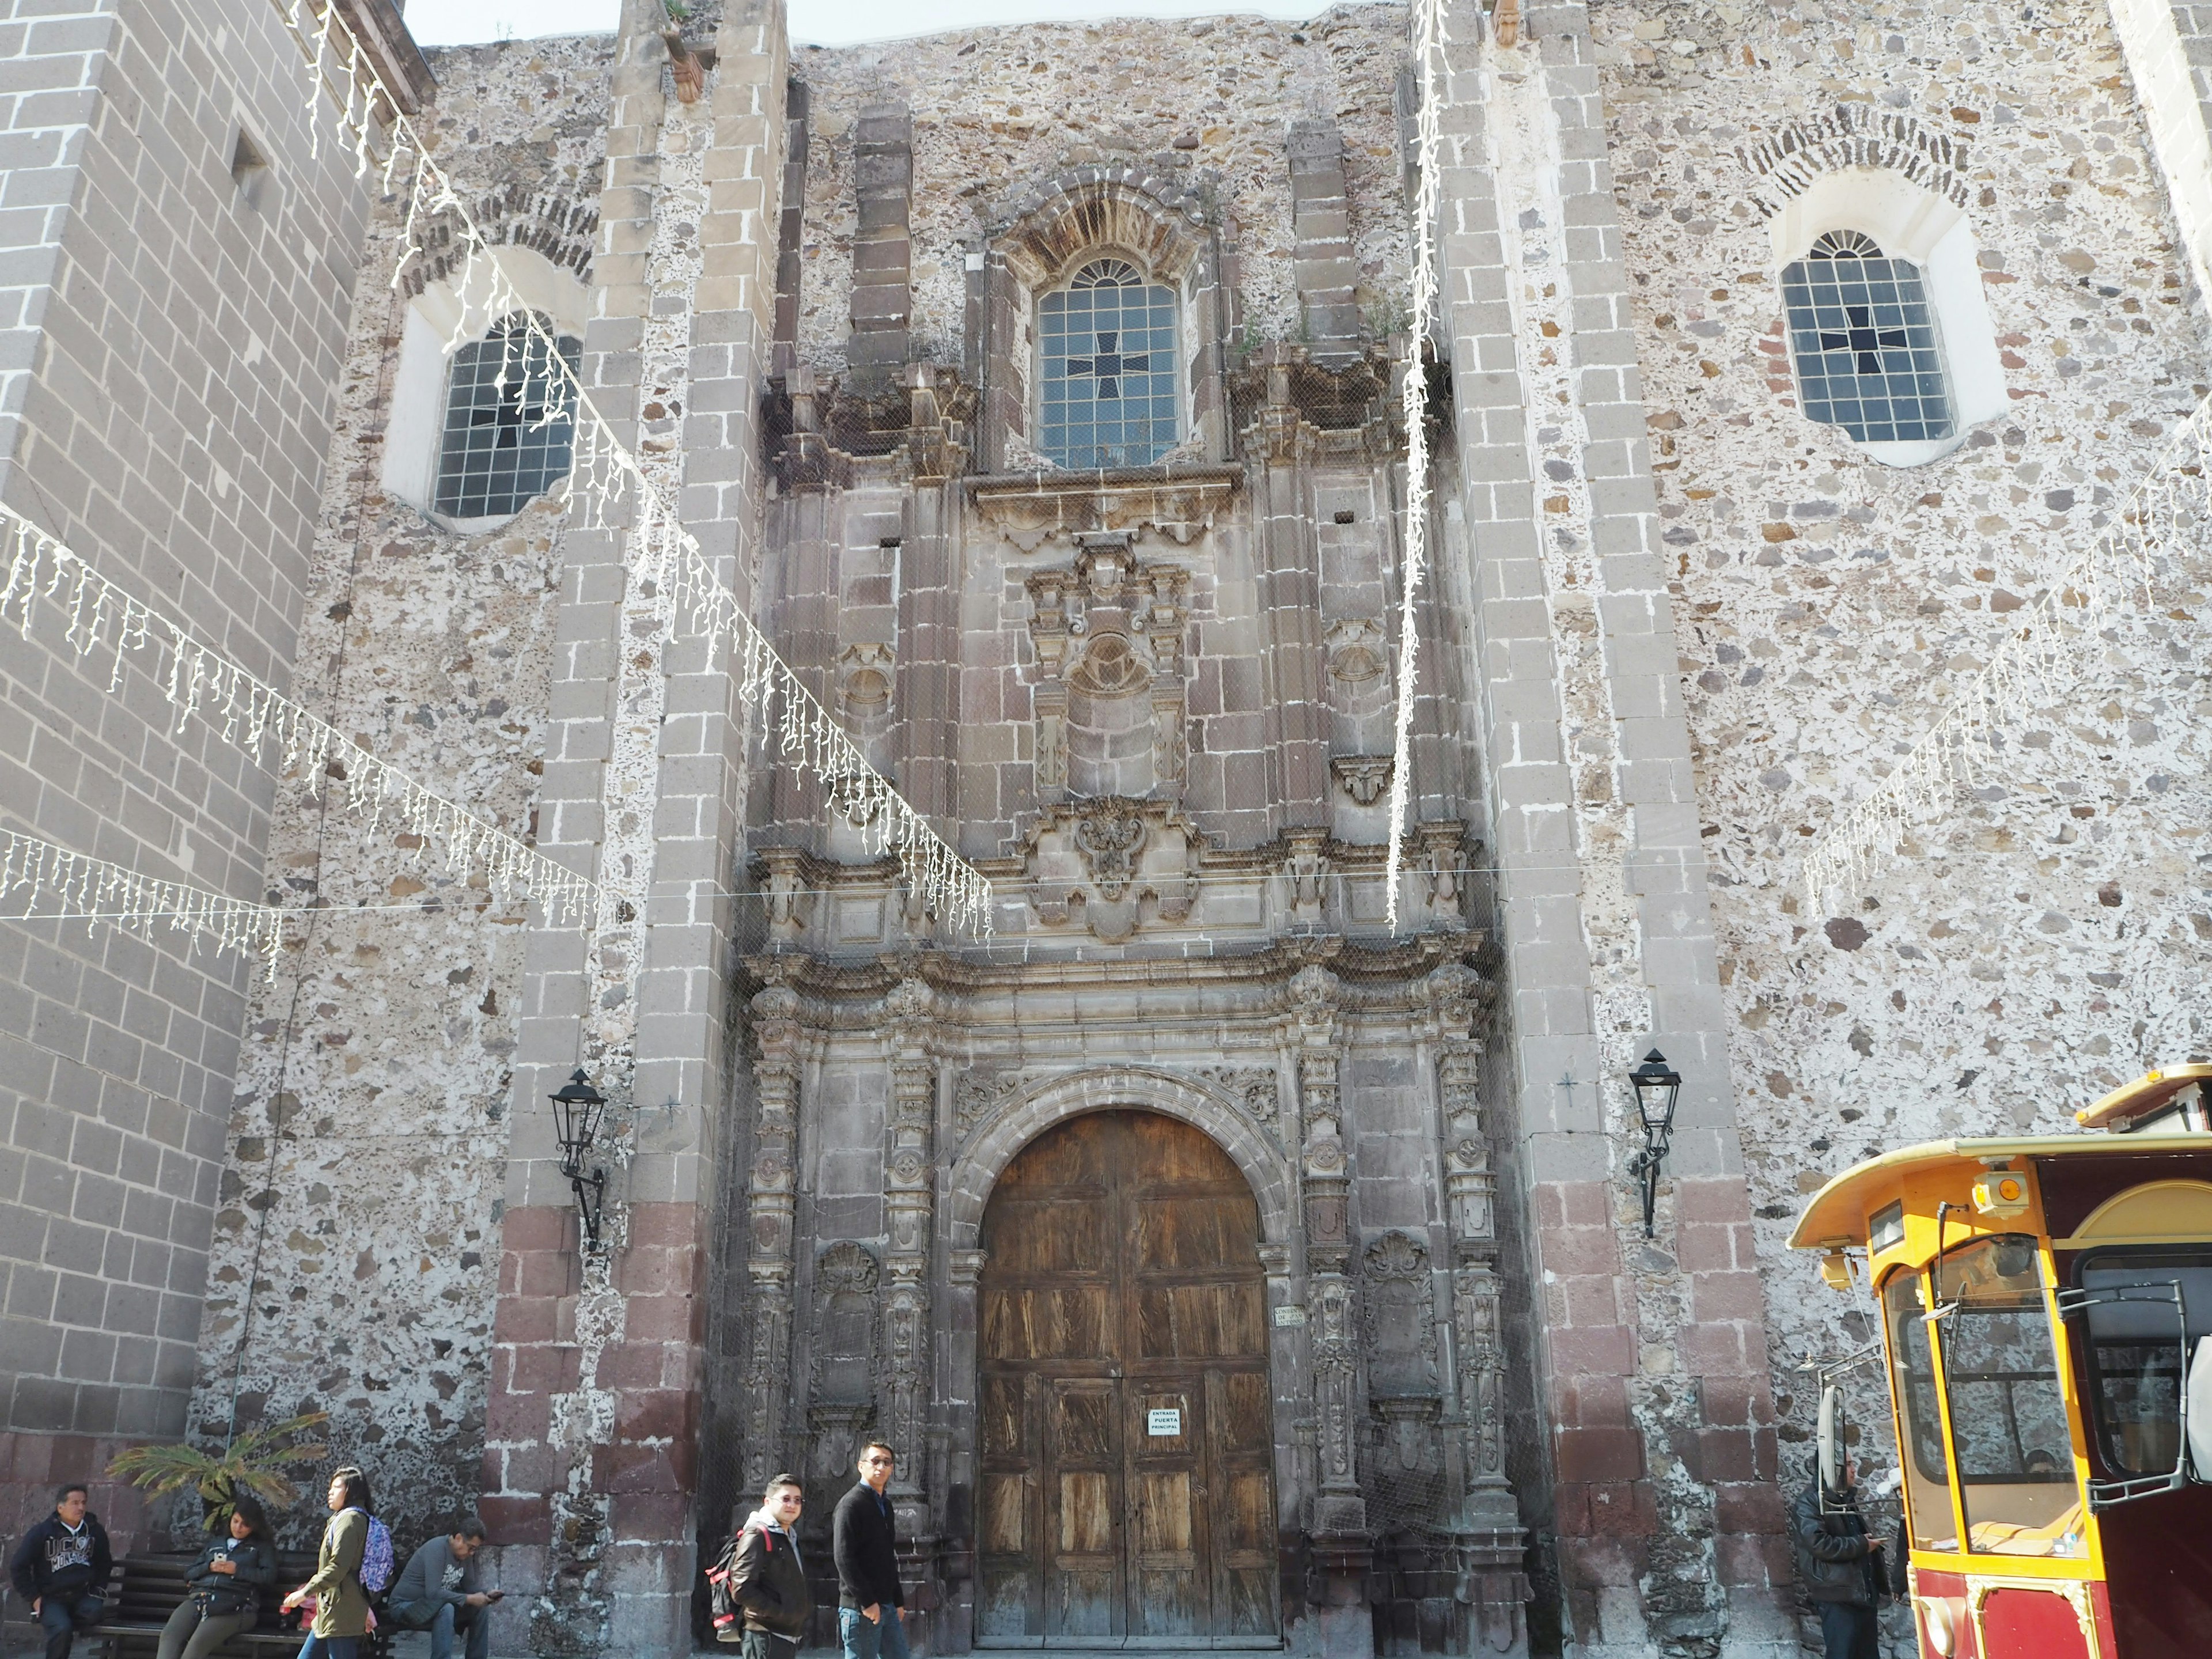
(1233, 1259)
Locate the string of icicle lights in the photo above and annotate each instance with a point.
(607, 478)
(89, 890)
(1428, 30)
(2050, 646)
(46, 583)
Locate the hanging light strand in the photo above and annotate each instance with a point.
(46, 584)
(2050, 643)
(1428, 27)
(608, 487)
(90, 890)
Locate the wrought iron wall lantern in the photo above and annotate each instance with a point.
(577, 1109)
(1656, 1084)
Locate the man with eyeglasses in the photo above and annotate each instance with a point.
(866, 1543)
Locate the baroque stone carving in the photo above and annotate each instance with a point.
(864, 676)
(843, 1359)
(1399, 1311)
(1366, 778)
(770, 1208)
(979, 1094)
(909, 1010)
(1103, 858)
(1253, 1087)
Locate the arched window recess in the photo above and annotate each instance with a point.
(1107, 357)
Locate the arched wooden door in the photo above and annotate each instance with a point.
(1126, 1491)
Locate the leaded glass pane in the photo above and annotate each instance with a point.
(1108, 349)
(1864, 340)
(510, 427)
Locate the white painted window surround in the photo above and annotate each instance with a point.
(1912, 222)
(448, 314)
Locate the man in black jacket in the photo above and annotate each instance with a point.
(767, 1580)
(1840, 1565)
(866, 1543)
(61, 1569)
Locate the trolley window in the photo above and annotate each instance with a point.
(2010, 1441)
(1927, 1468)
(2136, 1348)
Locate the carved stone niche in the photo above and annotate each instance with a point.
(1106, 590)
(841, 1378)
(1108, 636)
(1404, 1378)
(1094, 864)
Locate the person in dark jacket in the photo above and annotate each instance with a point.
(767, 1580)
(437, 1591)
(866, 1543)
(222, 1589)
(1840, 1565)
(61, 1569)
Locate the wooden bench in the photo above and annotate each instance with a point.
(150, 1586)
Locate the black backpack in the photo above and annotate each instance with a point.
(729, 1616)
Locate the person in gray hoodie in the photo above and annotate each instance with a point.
(437, 1591)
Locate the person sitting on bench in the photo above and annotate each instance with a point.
(437, 1592)
(61, 1569)
(223, 1587)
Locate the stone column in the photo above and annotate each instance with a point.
(770, 1205)
(1297, 722)
(2168, 47)
(909, 1207)
(1488, 1535)
(1342, 1551)
(1653, 1378)
(1324, 265)
(883, 256)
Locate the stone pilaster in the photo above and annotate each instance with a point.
(882, 243)
(1298, 713)
(1601, 903)
(770, 1205)
(910, 1205)
(1324, 264)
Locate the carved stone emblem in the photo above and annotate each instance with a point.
(1108, 841)
(1097, 860)
(864, 676)
(1356, 651)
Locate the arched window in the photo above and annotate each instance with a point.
(1108, 346)
(1864, 339)
(510, 422)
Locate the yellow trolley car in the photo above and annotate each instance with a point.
(2046, 1314)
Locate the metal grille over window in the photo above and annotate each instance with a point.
(1864, 339)
(1108, 345)
(508, 434)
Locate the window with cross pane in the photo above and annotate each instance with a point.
(1864, 339)
(1107, 346)
(510, 422)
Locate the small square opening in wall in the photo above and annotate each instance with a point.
(249, 168)
(1346, 515)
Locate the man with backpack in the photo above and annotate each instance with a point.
(61, 1569)
(761, 1598)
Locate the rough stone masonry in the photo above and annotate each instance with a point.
(1437, 1389)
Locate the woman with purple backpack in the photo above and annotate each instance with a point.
(354, 1563)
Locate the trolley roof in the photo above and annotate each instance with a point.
(1838, 1213)
(2147, 1094)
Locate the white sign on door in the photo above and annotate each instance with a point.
(1164, 1422)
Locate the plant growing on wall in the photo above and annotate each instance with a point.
(254, 1462)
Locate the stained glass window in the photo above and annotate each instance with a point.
(1107, 341)
(508, 430)
(1864, 339)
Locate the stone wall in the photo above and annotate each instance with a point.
(368, 1133)
(170, 337)
(2037, 942)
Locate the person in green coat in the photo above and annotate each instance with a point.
(340, 1604)
(224, 1586)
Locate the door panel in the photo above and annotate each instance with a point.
(1123, 1292)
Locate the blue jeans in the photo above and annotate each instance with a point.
(441, 1620)
(63, 1613)
(331, 1647)
(886, 1639)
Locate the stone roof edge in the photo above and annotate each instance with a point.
(383, 33)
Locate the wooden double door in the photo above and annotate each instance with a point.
(1126, 1491)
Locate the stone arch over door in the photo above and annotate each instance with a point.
(1125, 1440)
(1211, 1111)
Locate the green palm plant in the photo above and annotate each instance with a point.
(254, 1462)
